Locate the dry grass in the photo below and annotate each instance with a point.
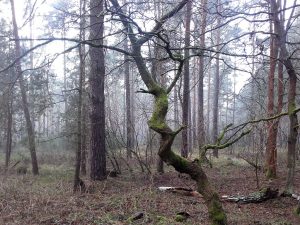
(48, 198)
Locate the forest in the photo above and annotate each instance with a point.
(149, 112)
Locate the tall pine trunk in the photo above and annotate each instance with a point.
(271, 149)
(96, 80)
(29, 127)
(216, 86)
(128, 97)
(129, 125)
(82, 52)
(201, 130)
(8, 131)
(80, 100)
(186, 84)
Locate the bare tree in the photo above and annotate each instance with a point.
(293, 129)
(30, 129)
(271, 148)
(157, 121)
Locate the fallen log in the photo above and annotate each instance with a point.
(262, 195)
(181, 191)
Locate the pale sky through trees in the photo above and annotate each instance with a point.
(44, 7)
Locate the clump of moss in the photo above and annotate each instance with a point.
(180, 218)
(291, 108)
(297, 210)
(160, 110)
(161, 220)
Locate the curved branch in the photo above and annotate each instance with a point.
(266, 119)
(24, 54)
(79, 42)
(161, 21)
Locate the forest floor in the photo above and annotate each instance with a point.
(48, 198)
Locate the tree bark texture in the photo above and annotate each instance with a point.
(271, 156)
(129, 113)
(80, 100)
(216, 87)
(186, 84)
(156, 71)
(201, 133)
(96, 80)
(84, 134)
(194, 106)
(8, 131)
(208, 112)
(29, 127)
(129, 125)
(84, 96)
(271, 149)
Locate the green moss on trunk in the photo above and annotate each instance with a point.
(216, 212)
(158, 123)
(157, 120)
(179, 163)
(291, 108)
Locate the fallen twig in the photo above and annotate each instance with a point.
(181, 190)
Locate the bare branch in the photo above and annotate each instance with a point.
(24, 54)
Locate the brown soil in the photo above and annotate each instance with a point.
(48, 199)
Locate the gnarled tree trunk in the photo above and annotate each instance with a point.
(157, 121)
(182, 165)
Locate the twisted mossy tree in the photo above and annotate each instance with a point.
(157, 121)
